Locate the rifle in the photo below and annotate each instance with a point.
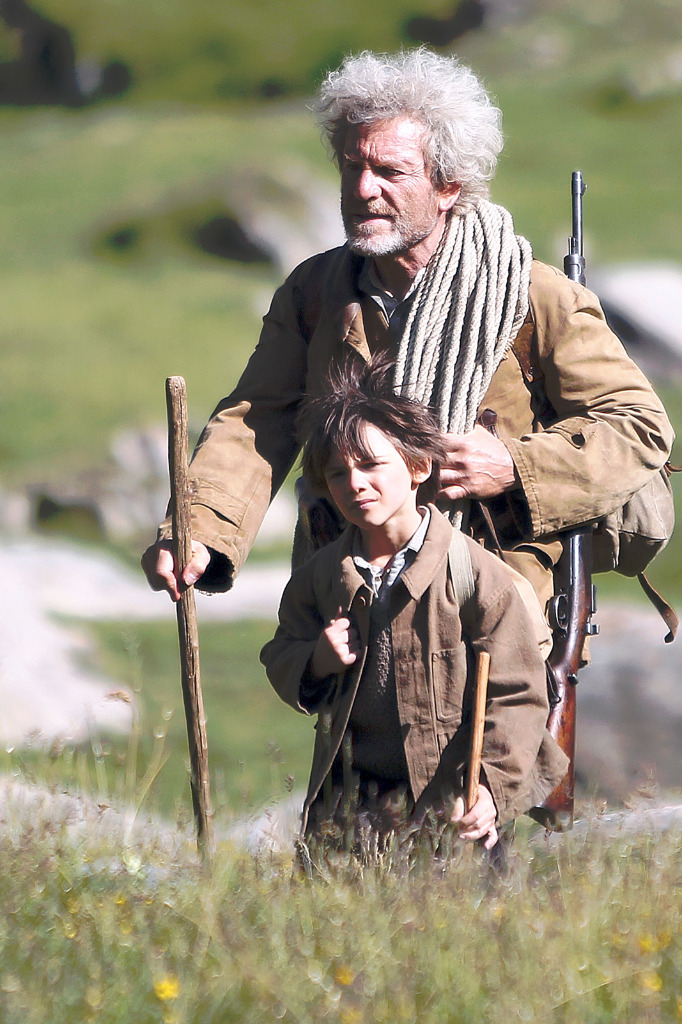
(571, 610)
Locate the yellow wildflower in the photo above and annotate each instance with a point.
(652, 981)
(350, 1016)
(167, 988)
(497, 911)
(647, 943)
(72, 905)
(344, 976)
(94, 997)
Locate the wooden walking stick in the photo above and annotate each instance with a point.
(477, 726)
(188, 631)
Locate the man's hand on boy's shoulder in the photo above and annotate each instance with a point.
(337, 648)
(478, 465)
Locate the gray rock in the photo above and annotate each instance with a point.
(642, 302)
(629, 701)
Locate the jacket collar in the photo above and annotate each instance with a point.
(340, 289)
(350, 580)
(416, 577)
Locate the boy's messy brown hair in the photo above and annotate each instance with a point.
(353, 395)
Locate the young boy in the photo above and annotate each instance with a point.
(373, 639)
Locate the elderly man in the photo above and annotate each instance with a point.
(433, 273)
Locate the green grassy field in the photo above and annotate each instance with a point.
(99, 929)
(207, 52)
(88, 338)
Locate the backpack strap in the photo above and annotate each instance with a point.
(461, 569)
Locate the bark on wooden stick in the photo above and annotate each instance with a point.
(188, 631)
(477, 727)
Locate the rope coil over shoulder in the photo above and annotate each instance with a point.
(468, 308)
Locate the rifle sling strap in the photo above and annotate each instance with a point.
(521, 347)
(662, 607)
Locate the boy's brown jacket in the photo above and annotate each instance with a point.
(608, 433)
(521, 762)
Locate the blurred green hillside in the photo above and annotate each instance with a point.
(199, 50)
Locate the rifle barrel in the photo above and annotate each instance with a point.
(574, 262)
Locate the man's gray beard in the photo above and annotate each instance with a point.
(401, 238)
(370, 246)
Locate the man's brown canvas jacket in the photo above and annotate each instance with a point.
(581, 421)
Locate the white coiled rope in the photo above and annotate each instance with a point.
(466, 312)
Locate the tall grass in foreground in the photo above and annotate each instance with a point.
(106, 925)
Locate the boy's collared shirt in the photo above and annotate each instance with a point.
(381, 580)
(374, 722)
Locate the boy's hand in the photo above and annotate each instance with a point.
(337, 648)
(480, 820)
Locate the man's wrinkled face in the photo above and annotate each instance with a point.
(389, 203)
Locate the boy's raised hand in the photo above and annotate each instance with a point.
(337, 647)
(479, 822)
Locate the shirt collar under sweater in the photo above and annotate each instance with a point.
(380, 580)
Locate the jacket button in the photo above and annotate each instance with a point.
(362, 601)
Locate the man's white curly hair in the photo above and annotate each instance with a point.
(463, 134)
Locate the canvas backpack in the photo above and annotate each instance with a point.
(629, 538)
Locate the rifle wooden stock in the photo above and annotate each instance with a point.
(570, 616)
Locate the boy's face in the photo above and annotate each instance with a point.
(376, 493)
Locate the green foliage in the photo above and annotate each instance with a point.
(99, 929)
(87, 342)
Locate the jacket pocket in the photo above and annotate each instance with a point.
(448, 673)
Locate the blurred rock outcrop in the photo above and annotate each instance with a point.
(45, 69)
(629, 725)
(249, 216)
(123, 499)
